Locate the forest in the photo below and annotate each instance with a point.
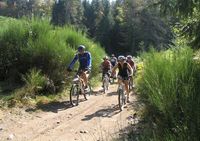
(38, 39)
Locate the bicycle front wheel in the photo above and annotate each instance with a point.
(88, 92)
(130, 83)
(74, 95)
(121, 99)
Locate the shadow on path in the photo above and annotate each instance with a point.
(104, 112)
(112, 93)
(51, 107)
(56, 105)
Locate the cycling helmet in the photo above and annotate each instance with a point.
(105, 58)
(120, 58)
(81, 47)
(129, 57)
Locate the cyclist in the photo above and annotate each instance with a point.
(124, 69)
(106, 66)
(131, 62)
(85, 62)
(113, 61)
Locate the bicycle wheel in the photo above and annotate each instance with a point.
(105, 85)
(112, 80)
(121, 99)
(130, 83)
(88, 92)
(74, 95)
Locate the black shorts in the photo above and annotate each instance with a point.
(87, 70)
(106, 72)
(123, 77)
(113, 63)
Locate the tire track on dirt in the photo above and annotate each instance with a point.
(98, 117)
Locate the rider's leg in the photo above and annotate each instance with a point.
(119, 80)
(126, 89)
(84, 77)
(114, 75)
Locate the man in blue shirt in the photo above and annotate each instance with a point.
(85, 61)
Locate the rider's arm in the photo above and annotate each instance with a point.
(73, 61)
(89, 60)
(130, 68)
(114, 68)
(110, 65)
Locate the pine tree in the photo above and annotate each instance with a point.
(67, 12)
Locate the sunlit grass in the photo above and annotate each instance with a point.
(28, 44)
(170, 82)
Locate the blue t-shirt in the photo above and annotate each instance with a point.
(84, 59)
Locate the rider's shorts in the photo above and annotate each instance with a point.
(87, 70)
(108, 72)
(123, 77)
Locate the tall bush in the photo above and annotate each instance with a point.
(37, 44)
(170, 81)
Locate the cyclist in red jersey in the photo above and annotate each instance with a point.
(131, 62)
(106, 66)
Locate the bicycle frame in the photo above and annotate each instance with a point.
(79, 82)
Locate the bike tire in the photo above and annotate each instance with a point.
(112, 80)
(88, 93)
(104, 86)
(130, 83)
(74, 95)
(105, 83)
(120, 100)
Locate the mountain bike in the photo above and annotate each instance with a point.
(121, 95)
(105, 82)
(78, 89)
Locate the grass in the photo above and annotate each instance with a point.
(169, 82)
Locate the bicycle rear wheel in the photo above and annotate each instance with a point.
(104, 87)
(74, 95)
(105, 84)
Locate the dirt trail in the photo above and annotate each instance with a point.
(98, 118)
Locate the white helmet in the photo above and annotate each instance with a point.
(121, 57)
(129, 57)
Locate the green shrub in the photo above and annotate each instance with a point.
(35, 80)
(37, 44)
(170, 82)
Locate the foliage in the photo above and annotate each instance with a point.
(67, 12)
(123, 25)
(170, 83)
(37, 44)
(29, 8)
(120, 26)
(187, 13)
(35, 80)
